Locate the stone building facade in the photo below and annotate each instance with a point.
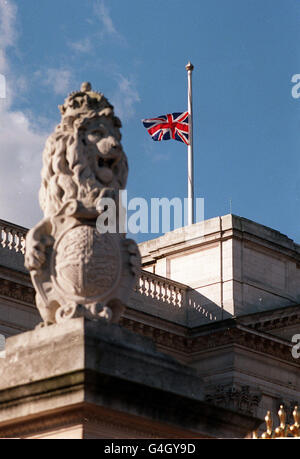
(220, 297)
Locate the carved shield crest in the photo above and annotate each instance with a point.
(86, 264)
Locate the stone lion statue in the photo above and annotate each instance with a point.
(75, 269)
(83, 155)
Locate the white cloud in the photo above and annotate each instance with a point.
(21, 141)
(8, 12)
(21, 161)
(108, 27)
(21, 145)
(105, 27)
(82, 46)
(59, 80)
(103, 14)
(125, 98)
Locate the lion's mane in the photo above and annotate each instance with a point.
(66, 172)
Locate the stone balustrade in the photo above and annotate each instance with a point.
(173, 293)
(12, 236)
(161, 289)
(152, 287)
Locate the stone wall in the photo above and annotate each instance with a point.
(237, 265)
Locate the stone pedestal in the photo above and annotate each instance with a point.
(85, 379)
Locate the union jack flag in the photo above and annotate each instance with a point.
(171, 126)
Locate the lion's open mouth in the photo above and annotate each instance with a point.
(109, 162)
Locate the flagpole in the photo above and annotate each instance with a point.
(189, 67)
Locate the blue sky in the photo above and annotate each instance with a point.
(246, 122)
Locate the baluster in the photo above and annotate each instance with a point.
(23, 243)
(151, 287)
(140, 284)
(176, 299)
(1, 235)
(166, 296)
(171, 298)
(160, 295)
(155, 293)
(143, 286)
(148, 284)
(161, 291)
(170, 292)
(14, 240)
(4, 241)
(10, 238)
(182, 298)
(151, 290)
(19, 241)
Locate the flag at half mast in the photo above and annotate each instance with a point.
(178, 126)
(171, 126)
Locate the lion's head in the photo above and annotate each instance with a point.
(84, 154)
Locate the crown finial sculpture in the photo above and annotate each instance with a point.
(76, 269)
(86, 86)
